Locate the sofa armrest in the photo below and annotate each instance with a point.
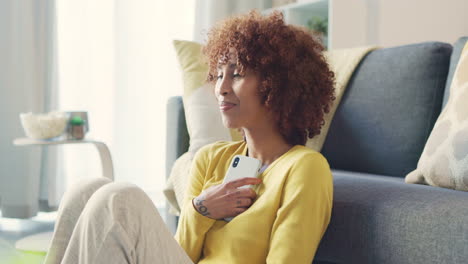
(177, 137)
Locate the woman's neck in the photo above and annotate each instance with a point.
(265, 145)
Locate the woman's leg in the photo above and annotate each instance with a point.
(71, 206)
(120, 224)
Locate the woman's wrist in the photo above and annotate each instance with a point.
(198, 204)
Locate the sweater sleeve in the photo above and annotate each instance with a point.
(304, 212)
(193, 226)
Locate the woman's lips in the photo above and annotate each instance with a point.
(226, 106)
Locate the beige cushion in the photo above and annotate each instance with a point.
(444, 161)
(177, 182)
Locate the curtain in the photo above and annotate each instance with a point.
(27, 83)
(116, 61)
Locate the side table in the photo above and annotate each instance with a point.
(40, 243)
(104, 153)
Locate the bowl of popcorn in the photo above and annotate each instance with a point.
(44, 126)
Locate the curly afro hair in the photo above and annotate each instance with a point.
(296, 81)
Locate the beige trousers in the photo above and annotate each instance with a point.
(100, 221)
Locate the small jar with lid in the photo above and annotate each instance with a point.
(77, 127)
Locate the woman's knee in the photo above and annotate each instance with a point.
(80, 193)
(120, 202)
(119, 196)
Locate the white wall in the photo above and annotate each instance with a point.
(147, 74)
(209, 12)
(85, 46)
(404, 21)
(396, 22)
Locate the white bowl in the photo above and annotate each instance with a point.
(44, 126)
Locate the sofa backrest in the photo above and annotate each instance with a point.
(388, 109)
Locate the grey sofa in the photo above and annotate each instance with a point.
(378, 133)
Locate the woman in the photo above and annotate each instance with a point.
(273, 83)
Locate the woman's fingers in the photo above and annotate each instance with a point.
(242, 193)
(243, 181)
(243, 202)
(239, 210)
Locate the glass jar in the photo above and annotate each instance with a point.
(77, 127)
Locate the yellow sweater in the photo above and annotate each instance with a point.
(284, 224)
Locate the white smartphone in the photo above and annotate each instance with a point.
(240, 167)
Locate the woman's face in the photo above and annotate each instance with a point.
(237, 94)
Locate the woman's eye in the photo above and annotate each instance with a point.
(235, 75)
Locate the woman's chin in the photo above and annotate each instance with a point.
(229, 124)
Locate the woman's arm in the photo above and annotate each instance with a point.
(304, 213)
(192, 225)
(214, 203)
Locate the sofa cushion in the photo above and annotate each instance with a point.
(389, 109)
(378, 219)
(457, 49)
(443, 162)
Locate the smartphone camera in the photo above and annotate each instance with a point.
(236, 161)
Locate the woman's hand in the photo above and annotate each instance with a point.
(225, 200)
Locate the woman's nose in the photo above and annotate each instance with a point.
(224, 87)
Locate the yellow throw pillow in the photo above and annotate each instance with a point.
(444, 161)
(202, 115)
